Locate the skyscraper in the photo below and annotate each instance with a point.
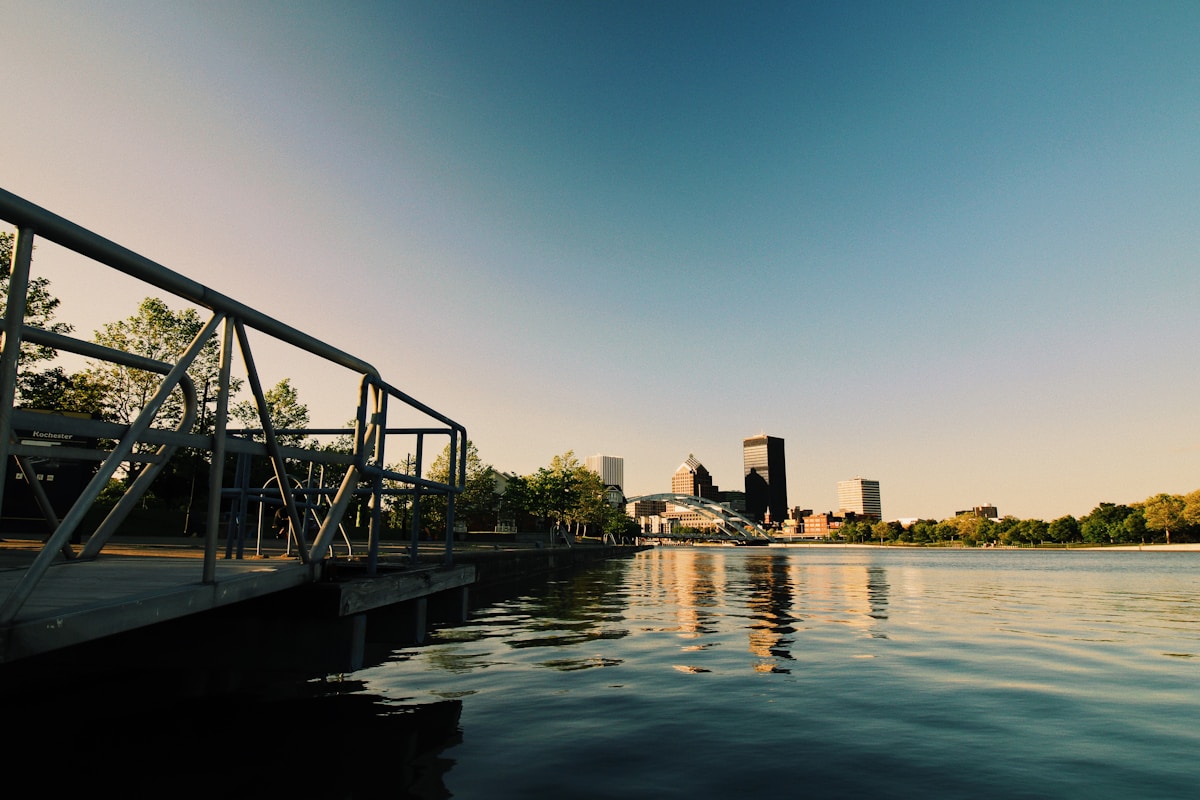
(860, 496)
(766, 478)
(692, 478)
(611, 469)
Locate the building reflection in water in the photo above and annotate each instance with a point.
(769, 599)
(785, 592)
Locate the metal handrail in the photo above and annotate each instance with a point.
(366, 470)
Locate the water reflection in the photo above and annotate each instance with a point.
(1022, 653)
(769, 599)
(782, 597)
(877, 598)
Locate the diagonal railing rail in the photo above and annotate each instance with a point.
(366, 474)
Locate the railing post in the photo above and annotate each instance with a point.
(276, 458)
(376, 531)
(216, 471)
(452, 478)
(415, 547)
(14, 318)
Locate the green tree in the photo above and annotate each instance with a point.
(1063, 530)
(1191, 508)
(475, 505)
(284, 409)
(1165, 512)
(924, 531)
(1015, 531)
(886, 531)
(968, 528)
(36, 387)
(516, 502)
(1133, 527)
(853, 530)
(1006, 530)
(619, 525)
(157, 332)
(566, 492)
(1105, 524)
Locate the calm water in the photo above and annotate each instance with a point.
(730, 672)
(705, 673)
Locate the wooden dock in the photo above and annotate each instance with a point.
(134, 586)
(137, 587)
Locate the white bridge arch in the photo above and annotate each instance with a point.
(729, 523)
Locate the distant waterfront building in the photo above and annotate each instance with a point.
(861, 497)
(766, 478)
(819, 526)
(692, 478)
(650, 515)
(611, 469)
(983, 512)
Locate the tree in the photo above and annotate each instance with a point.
(619, 525)
(36, 388)
(477, 501)
(160, 333)
(923, 531)
(1191, 507)
(567, 492)
(854, 530)
(969, 528)
(886, 531)
(1106, 524)
(1165, 512)
(284, 409)
(1063, 530)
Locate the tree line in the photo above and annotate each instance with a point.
(1169, 518)
(564, 494)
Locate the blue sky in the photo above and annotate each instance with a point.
(948, 246)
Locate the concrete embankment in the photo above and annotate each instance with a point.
(496, 567)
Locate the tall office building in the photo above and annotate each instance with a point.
(766, 478)
(611, 469)
(860, 496)
(692, 478)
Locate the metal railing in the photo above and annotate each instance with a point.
(365, 472)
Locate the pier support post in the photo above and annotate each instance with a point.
(420, 619)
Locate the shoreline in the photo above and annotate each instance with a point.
(1175, 548)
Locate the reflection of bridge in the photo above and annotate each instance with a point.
(728, 524)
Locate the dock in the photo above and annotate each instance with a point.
(87, 591)
(272, 612)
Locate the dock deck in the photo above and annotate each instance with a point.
(132, 586)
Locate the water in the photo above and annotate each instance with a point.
(834, 672)
(710, 672)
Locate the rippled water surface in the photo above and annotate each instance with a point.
(718, 672)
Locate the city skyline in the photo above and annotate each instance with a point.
(948, 245)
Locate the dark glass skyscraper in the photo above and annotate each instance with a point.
(766, 478)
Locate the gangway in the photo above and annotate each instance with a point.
(148, 442)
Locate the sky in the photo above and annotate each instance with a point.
(949, 246)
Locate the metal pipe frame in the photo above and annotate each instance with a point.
(366, 474)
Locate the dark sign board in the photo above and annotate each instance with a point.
(62, 479)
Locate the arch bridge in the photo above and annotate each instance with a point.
(729, 524)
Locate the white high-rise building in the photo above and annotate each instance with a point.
(611, 469)
(860, 496)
